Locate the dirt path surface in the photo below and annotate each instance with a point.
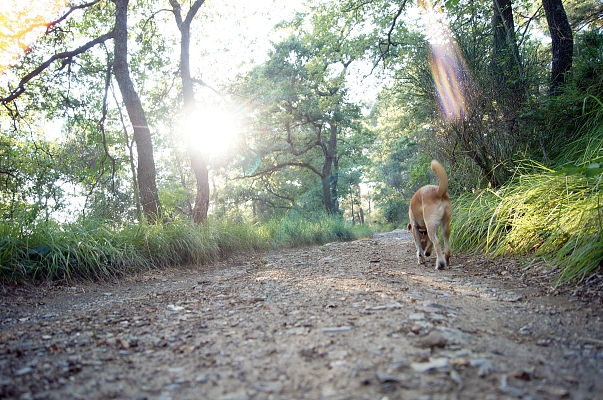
(356, 320)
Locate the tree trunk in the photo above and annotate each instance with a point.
(503, 41)
(147, 185)
(326, 186)
(329, 153)
(333, 181)
(198, 159)
(506, 64)
(562, 42)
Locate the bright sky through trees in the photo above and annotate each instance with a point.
(21, 22)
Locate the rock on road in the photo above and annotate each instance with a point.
(357, 320)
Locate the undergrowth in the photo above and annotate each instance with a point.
(549, 214)
(554, 214)
(94, 250)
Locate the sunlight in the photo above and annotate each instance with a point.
(21, 23)
(211, 130)
(450, 73)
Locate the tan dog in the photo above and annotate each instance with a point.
(429, 208)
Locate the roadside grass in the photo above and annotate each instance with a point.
(95, 250)
(555, 216)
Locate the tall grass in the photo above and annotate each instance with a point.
(95, 250)
(555, 217)
(554, 214)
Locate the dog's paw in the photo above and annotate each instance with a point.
(427, 254)
(440, 265)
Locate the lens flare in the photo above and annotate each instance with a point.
(450, 73)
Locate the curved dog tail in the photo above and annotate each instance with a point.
(442, 177)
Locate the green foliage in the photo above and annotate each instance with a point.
(564, 119)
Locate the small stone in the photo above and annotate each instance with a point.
(172, 387)
(399, 365)
(511, 390)
(555, 391)
(336, 329)
(433, 339)
(23, 371)
(417, 316)
(437, 364)
(485, 366)
(456, 377)
(385, 378)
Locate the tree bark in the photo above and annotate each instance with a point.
(506, 64)
(562, 43)
(197, 158)
(334, 181)
(504, 38)
(329, 153)
(147, 185)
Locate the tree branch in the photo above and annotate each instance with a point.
(71, 9)
(283, 165)
(20, 89)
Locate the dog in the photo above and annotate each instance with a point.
(431, 207)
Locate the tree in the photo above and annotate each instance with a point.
(56, 37)
(562, 46)
(149, 197)
(301, 111)
(197, 158)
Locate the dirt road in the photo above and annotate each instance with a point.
(356, 320)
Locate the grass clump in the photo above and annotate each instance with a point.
(554, 216)
(97, 250)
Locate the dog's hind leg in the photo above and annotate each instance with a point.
(432, 232)
(446, 236)
(416, 234)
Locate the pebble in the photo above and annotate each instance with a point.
(23, 371)
(485, 366)
(436, 364)
(417, 316)
(433, 339)
(384, 377)
(336, 329)
(511, 390)
(456, 377)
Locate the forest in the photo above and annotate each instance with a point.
(140, 134)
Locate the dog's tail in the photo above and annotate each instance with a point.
(442, 177)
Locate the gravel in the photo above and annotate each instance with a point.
(357, 320)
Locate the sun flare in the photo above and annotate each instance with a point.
(448, 67)
(212, 130)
